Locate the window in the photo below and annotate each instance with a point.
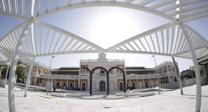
(164, 69)
(173, 69)
(119, 71)
(102, 71)
(84, 71)
(111, 72)
(159, 71)
(169, 68)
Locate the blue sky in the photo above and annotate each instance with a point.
(106, 26)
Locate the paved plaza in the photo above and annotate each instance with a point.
(168, 101)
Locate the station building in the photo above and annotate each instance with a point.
(78, 78)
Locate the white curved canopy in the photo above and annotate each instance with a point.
(168, 39)
(36, 38)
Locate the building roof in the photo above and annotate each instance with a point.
(66, 71)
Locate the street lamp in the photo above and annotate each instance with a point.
(156, 73)
(52, 57)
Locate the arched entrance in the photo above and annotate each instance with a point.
(70, 85)
(83, 86)
(121, 86)
(124, 77)
(57, 85)
(102, 86)
(107, 74)
(146, 84)
(133, 85)
(104, 71)
(76, 84)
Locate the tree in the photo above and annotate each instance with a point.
(20, 72)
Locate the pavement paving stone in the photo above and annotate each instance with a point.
(169, 101)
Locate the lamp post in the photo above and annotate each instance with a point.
(52, 57)
(156, 73)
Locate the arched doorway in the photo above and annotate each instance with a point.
(124, 77)
(57, 85)
(70, 85)
(107, 74)
(133, 85)
(83, 86)
(76, 84)
(103, 71)
(64, 86)
(121, 86)
(127, 85)
(102, 85)
(146, 84)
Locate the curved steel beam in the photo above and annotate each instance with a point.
(14, 16)
(140, 35)
(13, 29)
(194, 31)
(69, 34)
(105, 3)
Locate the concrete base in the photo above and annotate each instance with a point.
(49, 85)
(169, 101)
(172, 85)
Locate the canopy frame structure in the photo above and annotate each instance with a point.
(172, 39)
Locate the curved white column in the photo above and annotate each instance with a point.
(29, 76)
(7, 71)
(178, 74)
(1, 70)
(11, 97)
(196, 69)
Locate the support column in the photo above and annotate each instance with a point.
(27, 84)
(7, 71)
(143, 84)
(1, 70)
(178, 75)
(11, 97)
(108, 83)
(124, 81)
(54, 83)
(78, 85)
(196, 69)
(204, 75)
(137, 83)
(73, 86)
(36, 72)
(90, 83)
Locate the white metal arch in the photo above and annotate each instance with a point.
(95, 3)
(168, 39)
(160, 8)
